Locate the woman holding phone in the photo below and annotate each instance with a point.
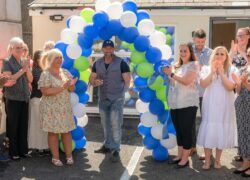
(56, 113)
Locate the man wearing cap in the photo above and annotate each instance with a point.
(112, 76)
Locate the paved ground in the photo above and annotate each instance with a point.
(89, 165)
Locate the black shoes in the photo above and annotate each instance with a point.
(115, 157)
(178, 166)
(240, 171)
(103, 150)
(245, 175)
(174, 161)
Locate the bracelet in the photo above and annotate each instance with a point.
(172, 75)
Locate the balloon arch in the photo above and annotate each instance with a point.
(149, 52)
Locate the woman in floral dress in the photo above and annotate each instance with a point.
(56, 112)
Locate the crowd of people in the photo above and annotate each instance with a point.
(218, 81)
(37, 100)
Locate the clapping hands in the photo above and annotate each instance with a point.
(167, 70)
(6, 81)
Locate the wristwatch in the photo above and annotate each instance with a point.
(172, 75)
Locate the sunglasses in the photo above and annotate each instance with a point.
(241, 35)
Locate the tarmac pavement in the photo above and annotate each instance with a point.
(136, 162)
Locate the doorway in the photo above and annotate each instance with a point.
(223, 30)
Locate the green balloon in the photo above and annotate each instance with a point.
(87, 14)
(81, 64)
(161, 93)
(157, 84)
(145, 69)
(157, 28)
(163, 30)
(131, 67)
(137, 57)
(125, 44)
(131, 47)
(84, 75)
(169, 39)
(166, 105)
(62, 147)
(60, 137)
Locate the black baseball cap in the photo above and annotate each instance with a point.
(108, 43)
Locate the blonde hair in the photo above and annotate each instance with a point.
(227, 63)
(49, 57)
(13, 42)
(48, 45)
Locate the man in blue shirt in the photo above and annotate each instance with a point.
(202, 53)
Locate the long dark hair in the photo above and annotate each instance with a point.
(36, 58)
(192, 57)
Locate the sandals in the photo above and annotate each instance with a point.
(57, 162)
(206, 166)
(69, 161)
(217, 165)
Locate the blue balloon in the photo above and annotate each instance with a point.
(74, 72)
(153, 55)
(85, 41)
(100, 19)
(61, 46)
(171, 129)
(141, 43)
(114, 27)
(163, 117)
(81, 87)
(170, 30)
(156, 107)
(160, 153)
(130, 34)
(147, 95)
(159, 64)
(91, 31)
(77, 133)
(80, 143)
(142, 14)
(67, 64)
(86, 52)
(129, 5)
(68, 21)
(140, 83)
(103, 33)
(83, 98)
(130, 103)
(150, 143)
(143, 130)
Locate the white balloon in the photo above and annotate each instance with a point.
(156, 131)
(68, 36)
(77, 24)
(146, 27)
(170, 142)
(148, 119)
(102, 5)
(166, 51)
(74, 51)
(115, 10)
(141, 106)
(157, 39)
(83, 121)
(74, 99)
(128, 19)
(79, 110)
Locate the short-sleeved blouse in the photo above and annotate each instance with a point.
(182, 96)
(56, 110)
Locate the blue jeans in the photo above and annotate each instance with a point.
(111, 113)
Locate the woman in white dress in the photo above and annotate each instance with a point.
(218, 127)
